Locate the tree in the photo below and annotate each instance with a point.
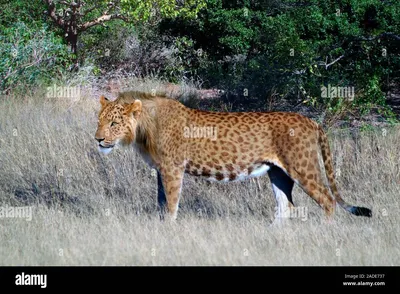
(258, 49)
(74, 17)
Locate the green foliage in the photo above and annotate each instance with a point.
(295, 47)
(185, 60)
(253, 49)
(28, 12)
(149, 9)
(33, 47)
(30, 57)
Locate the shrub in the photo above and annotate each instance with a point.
(30, 57)
(294, 48)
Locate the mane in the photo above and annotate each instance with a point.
(130, 96)
(146, 130)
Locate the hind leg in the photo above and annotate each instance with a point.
(320, 194)
(282, 186)
(310, 181)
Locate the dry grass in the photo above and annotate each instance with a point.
(93, 210)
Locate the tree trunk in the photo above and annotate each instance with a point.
(71, 29)
(72, 40)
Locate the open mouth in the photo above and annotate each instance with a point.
(106, 147)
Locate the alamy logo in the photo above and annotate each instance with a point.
(300, 212)
(200, 132)
(61, 92)
(31, 280)
(16, 212)
(337, 92)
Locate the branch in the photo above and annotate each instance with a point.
(89, 10)
(110, 6)
(52, 13)
(333, 62)
(71, 4)
(102, 19)
(385, 34)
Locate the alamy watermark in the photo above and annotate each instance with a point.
(16, 212)
(31, 280)
(337, 92)
(64, 92)
(200, 132)
(300, 212)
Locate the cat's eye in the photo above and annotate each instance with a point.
(113, 123)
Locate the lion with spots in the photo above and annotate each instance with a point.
(222, 146)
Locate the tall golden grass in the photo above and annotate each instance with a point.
(88, 209)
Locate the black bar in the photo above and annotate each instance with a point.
(226, 278)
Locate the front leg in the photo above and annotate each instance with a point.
(171, 177)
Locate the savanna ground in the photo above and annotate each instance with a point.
(88, 209)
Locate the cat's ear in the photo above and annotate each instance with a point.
(135, 108)
(104, 101)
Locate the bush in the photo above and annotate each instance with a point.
(292, 48)
(141, 52)
(30, 57)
